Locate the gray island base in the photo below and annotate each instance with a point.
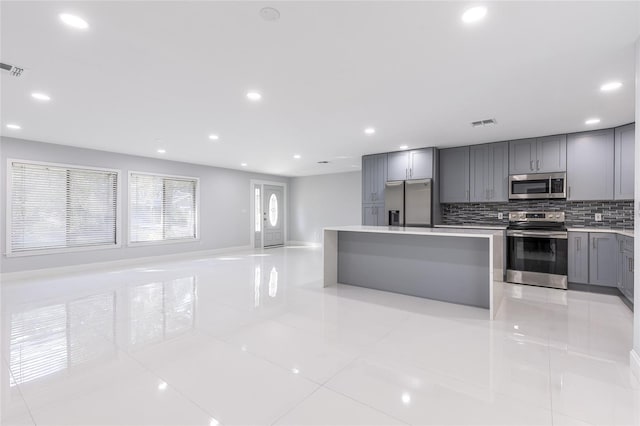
(463, 266)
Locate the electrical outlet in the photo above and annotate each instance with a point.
(598, 217)
(500, 216)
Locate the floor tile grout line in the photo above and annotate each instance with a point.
(365, 404)
(6, 365)
(296, 405)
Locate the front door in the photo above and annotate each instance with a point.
(273, 215)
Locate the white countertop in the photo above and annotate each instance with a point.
(494, 227)
(444, 232)
(625, 232)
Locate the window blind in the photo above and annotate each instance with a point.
(56, 207)
(162, 208)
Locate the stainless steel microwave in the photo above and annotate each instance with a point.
(538, 186)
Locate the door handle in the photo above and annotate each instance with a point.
(531, 164)
(569, 192)
(467, 194)
(537, 164)
(578, 244)
(594, 242)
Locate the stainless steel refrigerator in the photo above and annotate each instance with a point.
(408, 203)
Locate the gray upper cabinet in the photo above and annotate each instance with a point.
(374, 176)
(489, 172)
(522, 156)
(398, 165)
(415, 164)
(603, 259)
(551, 154)
(454, 175)
(421, 163)
(590, 165)
(578, 259)
(538, 155)
(624, 162)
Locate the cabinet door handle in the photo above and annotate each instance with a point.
(466, 194)
(537, 164)
(594, 242)
(569, 193)
(410, 171)
(578, 244)
(531, 165)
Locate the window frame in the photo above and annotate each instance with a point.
(37, 252)
(173, 240)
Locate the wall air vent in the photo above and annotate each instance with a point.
(484, 123)
(15, 71)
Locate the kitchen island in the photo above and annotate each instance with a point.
(455, 265)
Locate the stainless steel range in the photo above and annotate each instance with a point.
(537, 249)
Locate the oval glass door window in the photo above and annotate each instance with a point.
(273, 210)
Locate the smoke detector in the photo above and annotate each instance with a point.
(484, 123)
(269, 14)
(15, 71)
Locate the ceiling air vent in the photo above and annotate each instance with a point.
(484, 123)
(15, 71)
(323, 162)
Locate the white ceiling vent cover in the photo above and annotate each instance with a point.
(484, 123)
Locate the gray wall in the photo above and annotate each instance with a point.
(224, 203)
(325, 200)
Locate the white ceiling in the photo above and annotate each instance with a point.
(147, 75)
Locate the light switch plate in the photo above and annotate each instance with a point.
(598, 217)
(500, 216)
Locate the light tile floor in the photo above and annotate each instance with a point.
(251, 338)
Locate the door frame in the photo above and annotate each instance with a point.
(252, 209)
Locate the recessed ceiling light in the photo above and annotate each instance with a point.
(369, 130)
(161, 151)
(163, 385)
(612, 85)
(74, 21)
(243, 164)
(474, 14)
(214, 137)
(403, 147)
(592, 121)
(269, 14)
(297, 156)
(13, 127)
(40, 96)
(254, 96)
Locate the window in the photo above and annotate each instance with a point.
(59, 208)
(162, 208)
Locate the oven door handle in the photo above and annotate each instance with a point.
(534, 234)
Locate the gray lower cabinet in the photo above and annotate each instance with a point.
(538, 155)
(454, 175)
(624, 162)
(489, 172)
(625, 266)
(415, 164)
(374, 177)
(578, 257)
(590, 165)
(373, 215)
(603, 259)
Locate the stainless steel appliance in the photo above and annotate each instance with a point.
(537, 186)
(408, 203)
(537, 249)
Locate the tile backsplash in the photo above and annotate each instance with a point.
(615, 214)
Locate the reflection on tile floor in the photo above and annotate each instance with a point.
(252, 338)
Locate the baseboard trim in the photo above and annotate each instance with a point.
(10, 277)
(303, 243)
(634, 363)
